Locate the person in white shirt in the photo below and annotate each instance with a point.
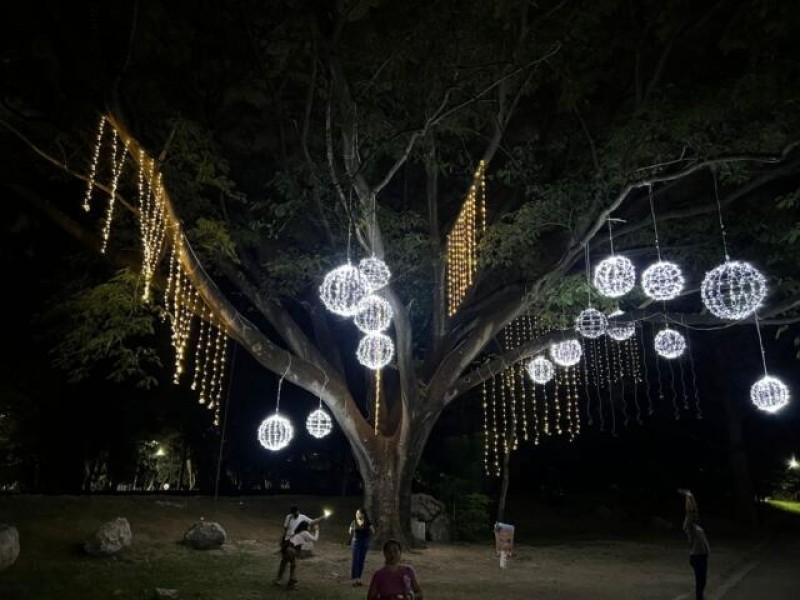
(291, 551)
(699, 548)
(292, 520)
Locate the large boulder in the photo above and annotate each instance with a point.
(9, 545)
(431, 512)
(205, 535)
(110, 538)
(439, 528)
(425, 508)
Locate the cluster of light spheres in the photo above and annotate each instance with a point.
(319, 423)
(375, 272)
(769, 394)
(614, 276)
(733, 290)
(343, 289)
(541, 370)
(620, 331)
(567, 353)
(662, 281)
(375, 351)
(669, 343)
(591, 323)
(275, 432)
(375, 315)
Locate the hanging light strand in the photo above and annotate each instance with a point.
(719, 214)
(93, 169)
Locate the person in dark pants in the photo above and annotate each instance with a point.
(361, 532)
(698, 544)
(290, 552)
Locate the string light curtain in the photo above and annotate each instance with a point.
(462, 241)
(161, 234)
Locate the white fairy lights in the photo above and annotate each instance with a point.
(275, 432)
(375, 272)
(319, 423)
(374, 315)
(540, 370)
(662, 281)
(669, 343)
(733, 290)
(614, 276)
(567, 353)
(619, 331)
(343, 289)
(591, 323)
(375, 351)
(769, 394)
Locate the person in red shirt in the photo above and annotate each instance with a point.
(395, 581)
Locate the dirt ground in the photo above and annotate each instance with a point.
(557, 567)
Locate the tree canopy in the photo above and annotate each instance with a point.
(292, 134)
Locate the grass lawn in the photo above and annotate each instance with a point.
(52, 564)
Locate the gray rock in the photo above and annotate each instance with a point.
(604, 513)
(439, 529)
(110, 538)
(205, 535)
(165, 594)
(9, 546)
(425, 508)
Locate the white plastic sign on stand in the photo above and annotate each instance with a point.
(503, 541)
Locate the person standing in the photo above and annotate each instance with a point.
(361, 532)
(290, 552)
(394, 580)
(698, 543)
(290, 523)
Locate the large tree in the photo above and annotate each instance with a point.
(282, 130)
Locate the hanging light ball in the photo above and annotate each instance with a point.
(541, 370)
(375, 351)
(733, 290)
(374, 315)
(769, 394)
(375, 271)
(662, 281)
(567, 353)
(591, 323)
(343, 289)
(614, 276)
(669, 343)
(275, 432)
(319, 423)
(619, 332)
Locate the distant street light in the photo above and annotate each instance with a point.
(161, 451)
(793, 464)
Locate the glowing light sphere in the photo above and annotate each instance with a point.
(541, 370)
(591, 323)
(319, 423)
(375, 351)
(733, 290)
(769, 394)
(662, 281)
(375, 271)
(375, 315)
(619, 332)
(669, 343)
(614, 276)
(275, 432)
(343, 289)
(567, 353)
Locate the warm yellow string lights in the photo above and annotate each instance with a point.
(462, 242)
(182, 300)
(377, 400)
